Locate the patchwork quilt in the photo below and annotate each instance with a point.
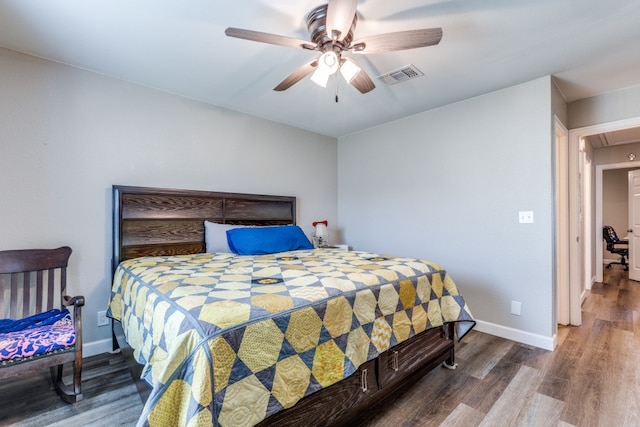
(229, 340)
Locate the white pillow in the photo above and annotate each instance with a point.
(215, 236)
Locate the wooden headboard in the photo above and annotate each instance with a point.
(162, 221)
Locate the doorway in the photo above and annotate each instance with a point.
(581, 214)
(600, 172)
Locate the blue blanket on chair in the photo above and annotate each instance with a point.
(35, 335)
(47, 318)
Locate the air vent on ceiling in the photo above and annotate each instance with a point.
(402, 74)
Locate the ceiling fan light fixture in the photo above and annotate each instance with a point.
(320, 77)
(329, 62)
(349, 71)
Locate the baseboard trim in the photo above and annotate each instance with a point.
(583, 296)
(96, 347)
(540, 341)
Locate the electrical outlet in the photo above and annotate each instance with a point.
(103, 320)
(525, 217)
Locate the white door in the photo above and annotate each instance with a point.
(634, 225)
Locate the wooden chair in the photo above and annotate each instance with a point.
(33, 281)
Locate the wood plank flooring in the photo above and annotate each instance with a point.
(591, 379)
(110, 397)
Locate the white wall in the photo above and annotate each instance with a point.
(609, 107)
(67, 135)
(616, 154)
(447, 185)
(558, 104)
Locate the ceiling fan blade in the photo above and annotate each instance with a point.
(362, 82)
(401, 40)
(297, 75)
(275, 39)
(340, 14)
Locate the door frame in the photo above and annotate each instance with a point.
(577, 248)
(563, 307)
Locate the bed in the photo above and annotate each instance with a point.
(307, 336)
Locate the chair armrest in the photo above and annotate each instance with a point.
(77, 301)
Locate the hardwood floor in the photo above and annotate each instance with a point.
(110, 397)
(591, 379)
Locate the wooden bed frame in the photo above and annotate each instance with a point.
(157, 222)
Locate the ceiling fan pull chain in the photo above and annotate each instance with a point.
(337, 83)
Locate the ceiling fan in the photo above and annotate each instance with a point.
(331, 27)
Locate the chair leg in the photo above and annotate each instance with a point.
(622, 262)
(64, 392)
(56, 372)
(77, 376)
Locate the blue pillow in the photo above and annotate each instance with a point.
(267, 240)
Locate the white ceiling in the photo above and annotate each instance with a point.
(590, 46)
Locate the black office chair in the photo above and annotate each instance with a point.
(616, 246)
